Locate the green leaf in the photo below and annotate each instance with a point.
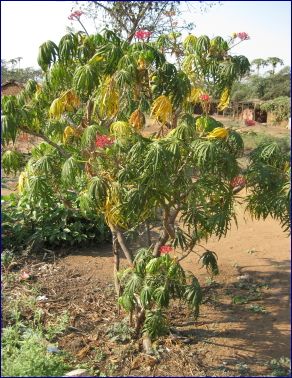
(11, 161)
(8, 129)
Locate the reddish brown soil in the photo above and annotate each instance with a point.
(226, 340)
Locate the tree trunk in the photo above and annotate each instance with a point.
(147, 233)
(116, 264)
(122, 242)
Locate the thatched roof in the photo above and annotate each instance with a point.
(22, 85)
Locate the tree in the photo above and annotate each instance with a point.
(90, 112)
(264, 88)
(259, 63)
(125, 18)
(19, 74)
(274, 62)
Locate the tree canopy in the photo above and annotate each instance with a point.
(125, 18)
(10, 72)
(263, 88)
(97, 91)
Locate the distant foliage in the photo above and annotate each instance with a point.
(279, 107)
(263, 88)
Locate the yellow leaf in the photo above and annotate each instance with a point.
(21, 182)
(162, 109)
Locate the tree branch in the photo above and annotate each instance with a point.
(60, 149)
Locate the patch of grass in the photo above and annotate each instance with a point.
(209, 280)
(120, 332)
(257, 308)
(240, 299)
(24, 356)
(234, 265)
(252, 141)
(250, 251)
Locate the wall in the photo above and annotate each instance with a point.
(11, 89)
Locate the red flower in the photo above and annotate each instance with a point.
(131, 266)
(75, 16)
(24, 137)
(25, 276)
(175, 23)
(204, 97)
(238, 181)
(165, 249)
(243, 36)
(112, 261)
(142, 34)
(104, 140)
(249, 122)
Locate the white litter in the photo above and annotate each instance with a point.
(41, 298)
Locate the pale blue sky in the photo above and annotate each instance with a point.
(25, 25)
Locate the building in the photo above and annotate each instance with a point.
(11, 87)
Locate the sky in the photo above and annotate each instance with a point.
(25, 25)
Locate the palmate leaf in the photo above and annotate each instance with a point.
(11, 161)
(156, 157)
(67, 46)
(8, 105)
(87, 204)
(267, 153)
(38, 189)
(127, 301)
(44, 165)
(123, 77)
(134, 283)
(153, 265)
(48, 52)
(209, 260)
(194, 296)
(202, 45)
(8, 129)
(85, 78)
(99, 188)
(146, 295)
(161, 295)
(89, 134)
(204, 151)
(156, 324)
(70, 171)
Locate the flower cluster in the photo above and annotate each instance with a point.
(249, 122)
(243, 36)
(204, 97)
(104, 140)
(24, 137)
(175, 23)
(238, 181)
(141, 34)
(165, 249)
(75, 15)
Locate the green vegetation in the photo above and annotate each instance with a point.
(263, 88)
(25, 223)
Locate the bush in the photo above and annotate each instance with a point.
(23, 222)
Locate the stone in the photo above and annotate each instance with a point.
(78, 373)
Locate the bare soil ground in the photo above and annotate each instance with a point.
(226, 340)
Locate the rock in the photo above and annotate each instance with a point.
(78, 373)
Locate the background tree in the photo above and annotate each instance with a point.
(263, 88)
(259, 63)
(19, 74)
(274, 61)
(125, 18)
